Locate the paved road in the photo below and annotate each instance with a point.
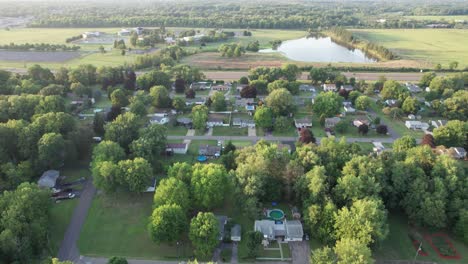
(368, 76)
(271, 138)
(69, 249)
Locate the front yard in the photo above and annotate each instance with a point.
(230, 131)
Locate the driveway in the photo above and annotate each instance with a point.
(300, 252)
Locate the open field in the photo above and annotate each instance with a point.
(440, 18)
(424, 45)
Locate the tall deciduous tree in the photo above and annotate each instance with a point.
(167, 223)
(263, 117)
(453, 134)
(306, 136)
(172, 191)
(51, 150)
(280, 101)
(219, 101)
(204, 232)
(327, 104)
(208, 185)
(123, 130)
(352, 251)
(160, 96)
(150, 144)
(199, 116)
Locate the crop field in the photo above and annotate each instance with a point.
(424, 45)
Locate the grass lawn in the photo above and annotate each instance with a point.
(440, 18)
(176, 130)
(352, 131)
(60, 216)
(226, 255)
(230, 131)
(291, 132)
(239, 143)
(398, 245)
(117, 226)
(366, 148)
(443, 46)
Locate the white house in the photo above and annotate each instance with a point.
(124, 32)
(195, 101)
(438, 123)
(306, 88)
(294, 231)
(378, 147)
(221, 87)
(213, 121)
(458, 152)
(391, 102)
(161, 120)
(359, 122)
(243, 122)
(94, 34)
(177, 148)
(48, 179)
(327, 87)
(170, 40)
(416, 125)
(266, 227)
(303, 122)
(200, 86)
(413, 88)
(138, 30)
(290, 230)
(349, 109)
(347, 87)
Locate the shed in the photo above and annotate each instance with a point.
(294, 231)
(236, 233)
(48, 179)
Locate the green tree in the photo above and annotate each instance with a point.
(79, 89)
(51, 103)
(138, 108)
(51, 150)
(219, 102)
(426, 79)
(167, 223)
(410, 105)
(135, 174)
(456, 107)
(182, 171)
(154, 78)
(204, 233)
(327, 104)
(404, 143)
(352, 251)
(362, 102)
(179, 104)
(453, 134)
(209, 182)
(150, 144)
(254, 242)
(290, 71)
(323, 255)
(453, 65)
(280, 101)
(199, 117)
(106, 176)
(160, 97)
(394, 90)
(123, 130)
(172, 191)
(119, 98)
(263, 117)
(85, 74)
(282, 124)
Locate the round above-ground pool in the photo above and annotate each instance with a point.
(202, 158)
(276, 214)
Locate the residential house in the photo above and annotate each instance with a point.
(222, 87)
(177, 148)
(458, 153)
(138, 30)
(184, 121)
(331, 122)
(94, 34)
(222, 221)
(195, 101)
(329, 87)
(413, 88)
(170, 40)
(411, 117)
(48, 179)
(266, 227)
(359, 122)
(243, 122)
(124, 32)
(201, 86)
(391, 102)
(416, 125)
(438, 123)
(378, 147)
(307, 88)
(244, 101)
(161, 120)
(302, 122)
(209, 151)
(349, 109)
(294, 230)
(347, 87)
(236, 232)
(214, 121)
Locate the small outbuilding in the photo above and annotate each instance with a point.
(236, 232)
(48, 179)
(294, 231)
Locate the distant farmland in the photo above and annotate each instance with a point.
(425, 45)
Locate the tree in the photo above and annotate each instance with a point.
(154, 78)
(181, 171)
(363, 129)
(209, 182)
(167, 224)
(410, 105)
(365, 221)
(190, 93)
(52, 89)
(381, 129)
(199, 117)
(179, 104)
(280, 101)
(248, 92)
(123, 130)
(187, 73)
(150, 144)
(79, 89)
(263, 117)
(51, 103)
(352, 251)
(290, 71)
(453, 134)
(24, 223)
(204, 232)
(135, 174)
(353, 95)
(322, 256)
(85, 74)
(438, 67)
(394, 90)
(362, 102)
(404, 143)
(327, 104)
(306, 136)
(219, 101)
(453, 65)
(426, 79)
(117, 260)
(51, 150)
(138, 108)
(456, 107)
(160, 97)
(341, 127)
(254, 241)
(244, 80)
(133, 39)
(282, 124)
(119, 98)
(179, 85)
(428, 140)
(172, 191)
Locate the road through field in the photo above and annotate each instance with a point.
(368, 76)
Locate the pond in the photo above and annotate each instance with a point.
(319, 49)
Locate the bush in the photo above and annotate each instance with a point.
(382, 129)
(341, 127)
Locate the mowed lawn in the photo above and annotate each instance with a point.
(427, 45)
(117, 226)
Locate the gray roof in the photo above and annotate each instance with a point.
(236, 231)
(48, 179)
(184, 120)
(294, 229)
(208, 150)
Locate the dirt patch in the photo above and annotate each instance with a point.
(38, 56)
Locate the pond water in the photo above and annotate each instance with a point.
(319, 49)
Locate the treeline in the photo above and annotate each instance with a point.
(39, 47)
(74, 38)
(346, 38)
(166, 56)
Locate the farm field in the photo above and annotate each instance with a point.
(424, 45)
